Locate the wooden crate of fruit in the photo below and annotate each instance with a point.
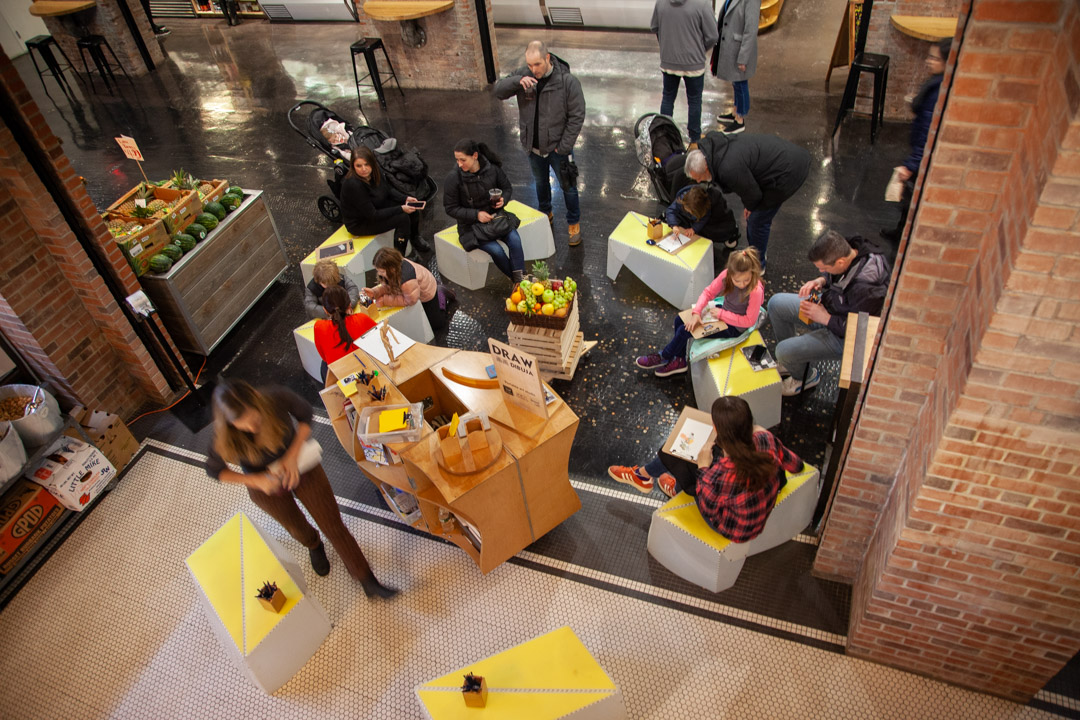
(138, 240)
(176, 208)
(539, 301)
(552, 346)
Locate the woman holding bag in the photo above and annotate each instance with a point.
(267, 433)
(468, 198)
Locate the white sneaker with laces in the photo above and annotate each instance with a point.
(791, 386)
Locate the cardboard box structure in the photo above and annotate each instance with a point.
(27, 511)
(74, 472)
(108, 433)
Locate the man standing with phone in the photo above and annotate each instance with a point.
(551, 113)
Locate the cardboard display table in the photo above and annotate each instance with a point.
(229, 568)
(354, 264)
(491, 514)
(549, 677)
(678, 278)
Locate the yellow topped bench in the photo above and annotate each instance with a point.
(730, 373)
(354, 264)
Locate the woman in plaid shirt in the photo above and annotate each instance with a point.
(735, 484)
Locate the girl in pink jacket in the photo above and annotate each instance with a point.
(741, 293)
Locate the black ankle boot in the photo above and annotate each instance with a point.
(421, 245)
(372, 588)
(319, 562)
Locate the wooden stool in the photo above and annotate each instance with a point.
(96, 45)
(367, 48)
(42, 44)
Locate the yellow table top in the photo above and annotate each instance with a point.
(404, 9)
(307, 330)
(732, 371)
(525, 213)
(547, 677)
(925, 28)
(340, 235)
(632, 232)
(230, 567)
(54, 8)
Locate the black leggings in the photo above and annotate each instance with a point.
(436, 316)
(406, 226)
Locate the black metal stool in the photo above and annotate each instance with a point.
(95, 44)
(367, 48)
(42, 44)
(879, 66)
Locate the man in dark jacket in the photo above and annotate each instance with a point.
(854, 278)
(551, 112)
(762, 170)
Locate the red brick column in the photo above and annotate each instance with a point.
(958, 513)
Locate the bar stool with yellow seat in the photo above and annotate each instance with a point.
(730, 373)
(354, 264)
(681, 540)
(230, 568)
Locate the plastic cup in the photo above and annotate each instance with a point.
(495, 195)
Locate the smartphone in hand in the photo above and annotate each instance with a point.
(418, 204)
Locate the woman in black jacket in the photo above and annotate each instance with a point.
(467, 199)
(369, 206)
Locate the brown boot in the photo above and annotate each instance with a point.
(575, 234)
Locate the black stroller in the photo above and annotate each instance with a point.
(661, 150)
(403, 169)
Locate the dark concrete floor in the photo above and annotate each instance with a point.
(217, 107)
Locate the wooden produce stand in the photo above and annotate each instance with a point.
(523, 488)
(557, 351)
(208, 290)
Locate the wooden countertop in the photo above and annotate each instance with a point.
(404, 9)
(53, 8)
(925, 28)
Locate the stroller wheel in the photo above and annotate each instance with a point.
(329, 208)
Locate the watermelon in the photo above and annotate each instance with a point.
(160, 263)
(196, 231)
(216, 209)
(235, 190)
(207, 220)
(173, 252)
(230, 202)
(185, 241)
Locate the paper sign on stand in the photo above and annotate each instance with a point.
(131, 151)
(519, 377)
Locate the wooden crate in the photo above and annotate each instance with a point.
(552, 348)
(179, 216)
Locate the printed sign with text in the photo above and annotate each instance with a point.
(519, 377)
(130, 148)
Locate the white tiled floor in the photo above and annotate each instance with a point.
(109, 627)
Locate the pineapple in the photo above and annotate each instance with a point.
(132, 227)
(541, 273)
(205, 189)
(142, 192)
(116, 225)
(181, 180)
(156, 205)
(142, 212)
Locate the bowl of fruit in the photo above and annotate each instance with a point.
(540, 301)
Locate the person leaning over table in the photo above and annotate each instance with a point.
(404, 282)
(325, 274)
(370, 206)
(736, 481)
(264, 431)
(854, 278)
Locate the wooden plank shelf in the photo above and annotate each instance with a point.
(405, 9)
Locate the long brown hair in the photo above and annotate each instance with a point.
(696, 201)
(742, 261)
(734, 423)
(389, 261)
(335, 301)
(232, 399)
(365, 153)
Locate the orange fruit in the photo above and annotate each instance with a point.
(516, 297)
(537, 308)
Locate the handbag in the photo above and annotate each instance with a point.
(502, 223)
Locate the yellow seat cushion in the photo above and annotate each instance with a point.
(632, 232)
(732, 373)
(340, 235)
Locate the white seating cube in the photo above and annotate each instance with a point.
(469, 268)
(730, 373)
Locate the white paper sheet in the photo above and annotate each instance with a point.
(691, 440)
(673, 242)
(371, 343)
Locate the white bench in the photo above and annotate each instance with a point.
(681, 541)
(730, 373)
(355, 264)
(469, 268)
(678, 278)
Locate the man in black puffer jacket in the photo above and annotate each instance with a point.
(763, 170)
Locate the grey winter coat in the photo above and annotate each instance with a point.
(685, 31)
(738, 40)
(562, 108)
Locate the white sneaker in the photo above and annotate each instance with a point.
(790, 386)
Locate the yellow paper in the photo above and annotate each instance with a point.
(453, 425)
(391, 420)
(348, 388)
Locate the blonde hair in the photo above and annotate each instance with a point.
(232, 400)
(326, 273)
(742, 261)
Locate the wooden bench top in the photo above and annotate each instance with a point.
(52, 8)
(404, 9)
(925, 28)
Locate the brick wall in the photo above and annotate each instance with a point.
(107, 20)
(906, 54)
(452, 56)
(957, 515)
(53, 305)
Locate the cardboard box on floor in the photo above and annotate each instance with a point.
(74, 472)
(108, 433)
(27, 511)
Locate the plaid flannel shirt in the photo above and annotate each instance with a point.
(730, 510)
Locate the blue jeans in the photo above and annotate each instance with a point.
(741, 90)
(793, 351)
(758, 226)
(506, 265)
(694, 88)
(540, 170)
(681, 340)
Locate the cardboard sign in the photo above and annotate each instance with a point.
(692, 435)
(130, 148)
(519, 377)
(709, 324)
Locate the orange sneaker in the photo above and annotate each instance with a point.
(633, 476)
(668, 485)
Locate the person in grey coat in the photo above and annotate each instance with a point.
(685, 31)
(735, 57)
(551, 113)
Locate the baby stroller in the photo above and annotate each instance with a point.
(404, 169)
(661, 150)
